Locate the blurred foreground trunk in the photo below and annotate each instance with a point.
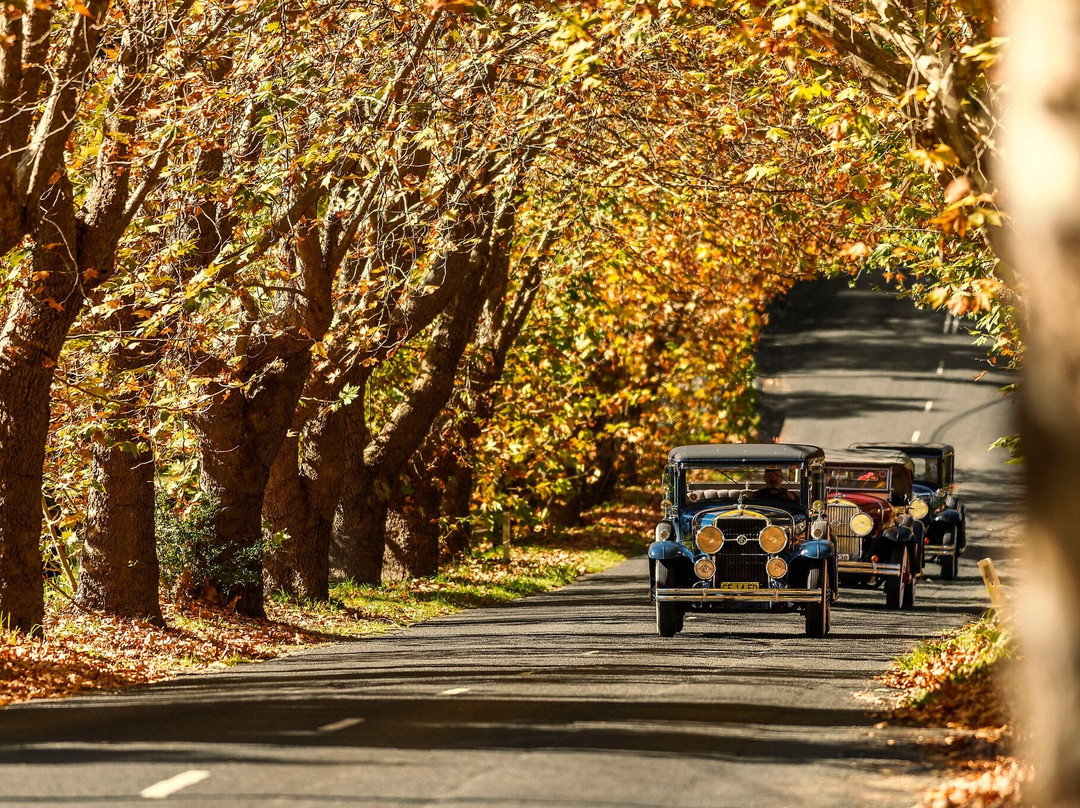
(1042, 182)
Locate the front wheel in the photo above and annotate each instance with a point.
(907, 589)
(817, 614)
(949, 562)
(668, 614)
(894, 584)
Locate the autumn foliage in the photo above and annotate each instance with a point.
(312, 292)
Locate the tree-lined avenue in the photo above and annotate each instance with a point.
(570, 699)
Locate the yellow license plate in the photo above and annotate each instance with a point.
(740, 585)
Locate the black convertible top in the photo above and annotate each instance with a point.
(908, 448)
(867, 457)
(748, 453)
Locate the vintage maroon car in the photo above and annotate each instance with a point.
(877, 541)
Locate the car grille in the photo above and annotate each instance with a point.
(745, 562)
(847, 543)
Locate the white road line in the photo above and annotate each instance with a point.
(159, 791)
(915, 436)
(929, 406)
(344, 723)
(590, 653)
(455, 691)
(941, 368)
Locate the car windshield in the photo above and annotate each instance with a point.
(927, 470)
(718, 482)
(857, 478)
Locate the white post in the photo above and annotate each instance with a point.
(994, 588)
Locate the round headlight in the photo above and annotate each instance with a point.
(861, 524)
(663, 531)
(777, 567)
(918, 508)
(772, 539)
(710, 539)
(704, 568)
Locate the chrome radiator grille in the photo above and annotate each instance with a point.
(847, 543)
(741, 562)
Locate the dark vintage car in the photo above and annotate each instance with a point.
(737, 535)
(877, 542)
(944, 518)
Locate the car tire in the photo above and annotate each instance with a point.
(668, 614)
(949, 562)
(894, 585)
(818, 617)
(907, 591)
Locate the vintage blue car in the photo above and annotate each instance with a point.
(877, 542)
(942, 514)
(743, 529)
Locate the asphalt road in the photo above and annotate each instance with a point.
(570, 699)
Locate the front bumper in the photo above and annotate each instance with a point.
(940, 549)
(868, 568)
(702, 595)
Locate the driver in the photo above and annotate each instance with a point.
(774, 480)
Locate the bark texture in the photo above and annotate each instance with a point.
(360, 526)
(1041, 181)
(301, 499)
(30, 342)
(33, 198)
(119, 570)
(240, 435)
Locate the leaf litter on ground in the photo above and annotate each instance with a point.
(959, 682)
(79, 651)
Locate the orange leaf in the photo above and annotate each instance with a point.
(53, 304)
(454, 6)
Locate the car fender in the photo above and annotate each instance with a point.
(897, 535)
(669, 551)
(809, 554)
(949, 516)
(816, 549)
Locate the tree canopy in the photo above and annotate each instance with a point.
(338, 285)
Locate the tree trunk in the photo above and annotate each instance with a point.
(119, 570)
(412, 528)
(1041, 181)
(29, 345)
(240, 435)
(360, 524)
(456, 505)
(301, 499)
(24, 422)
(75, 250)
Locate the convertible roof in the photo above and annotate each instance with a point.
(908, 448)
(867, 457)
(749, 453)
